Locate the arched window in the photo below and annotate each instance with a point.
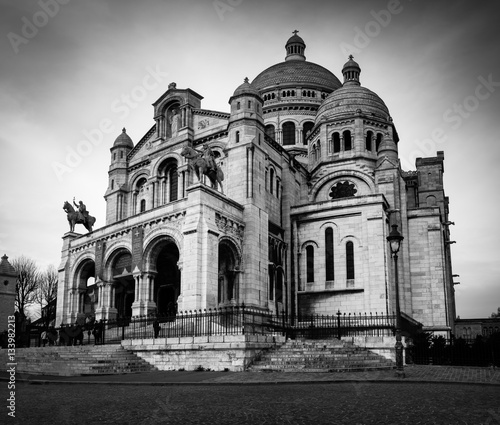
(318, 150)
(173, 178)
(379, 140)
(289, 133)
(336, 142)
(249, 104)
(310, 263)
(330, 275)
(368, 141)
(347, 140)
(306, 128)
(270, 131)
(271, 180)
(349, 254)
(143, 205)
(237, 137)
(238, 105)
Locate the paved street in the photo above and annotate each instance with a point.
(329, 403)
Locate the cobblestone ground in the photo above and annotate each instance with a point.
(329, 403)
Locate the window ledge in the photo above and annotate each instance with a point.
(328, 291)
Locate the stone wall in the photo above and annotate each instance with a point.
(230, 352)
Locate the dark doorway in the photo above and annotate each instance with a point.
(168, 280)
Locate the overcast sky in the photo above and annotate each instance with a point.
(73, 73)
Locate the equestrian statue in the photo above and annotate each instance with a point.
(204, 163)
(78, 217)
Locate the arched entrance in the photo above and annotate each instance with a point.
(121, 272)
(86, 301)
(228, 288)
(168, 278)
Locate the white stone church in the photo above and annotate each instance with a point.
(312, 184)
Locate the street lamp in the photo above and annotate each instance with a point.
(395, 238)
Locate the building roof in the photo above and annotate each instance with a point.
(296, 73)
(348, 100)
(7, 269)
(246, 88)
(123, 140)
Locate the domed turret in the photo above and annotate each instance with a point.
(295, 47)
(123, 140)
(245, 89)
(351, 71)
(352, 98)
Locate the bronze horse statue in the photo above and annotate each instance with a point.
(200, 166)
(75, 217)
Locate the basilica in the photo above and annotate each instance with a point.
(284, 202)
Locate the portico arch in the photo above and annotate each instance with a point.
(229, 269)
(162, 257)
(119, 270)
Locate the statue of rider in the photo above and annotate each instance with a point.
(83, 214)
(209, 157)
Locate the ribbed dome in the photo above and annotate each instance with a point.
(246, 88)
(123, 140)
(347, 100)
(294, 73)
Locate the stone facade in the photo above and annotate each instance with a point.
(312, 186)
(8, 277)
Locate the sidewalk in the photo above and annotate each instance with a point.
(413, 373)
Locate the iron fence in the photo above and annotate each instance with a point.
(232, 320)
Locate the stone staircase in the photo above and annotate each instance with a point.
(77, 360)
(331, 355)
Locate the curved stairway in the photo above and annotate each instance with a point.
(331, 355)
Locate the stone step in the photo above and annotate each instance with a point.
(319, 355)
(81, 360)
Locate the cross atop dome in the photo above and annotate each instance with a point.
(351, 57)
(295, 32)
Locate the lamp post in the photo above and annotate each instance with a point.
(395, 238)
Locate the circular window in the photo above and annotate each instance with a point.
(344, 189)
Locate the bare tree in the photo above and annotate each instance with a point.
(28, 280)
(46, 292)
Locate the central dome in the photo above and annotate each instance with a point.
(296, 73)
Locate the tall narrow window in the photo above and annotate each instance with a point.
(369, 138)
(143, 205)
(336, 142)
(330, 275)
(306, 128)
(173, 178)
(379, 141)
(271, 180)
(349, 252)
(289, 133)
(238, 105)
(310, 263)
(237, 137)
(347, 140)
(270, 131)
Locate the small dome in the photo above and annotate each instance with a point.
(295, 39)
(246, 88)
(6, 268)
(351, 71)
(123, 140)
(351, 100)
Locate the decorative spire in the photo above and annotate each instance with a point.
(246, 80)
